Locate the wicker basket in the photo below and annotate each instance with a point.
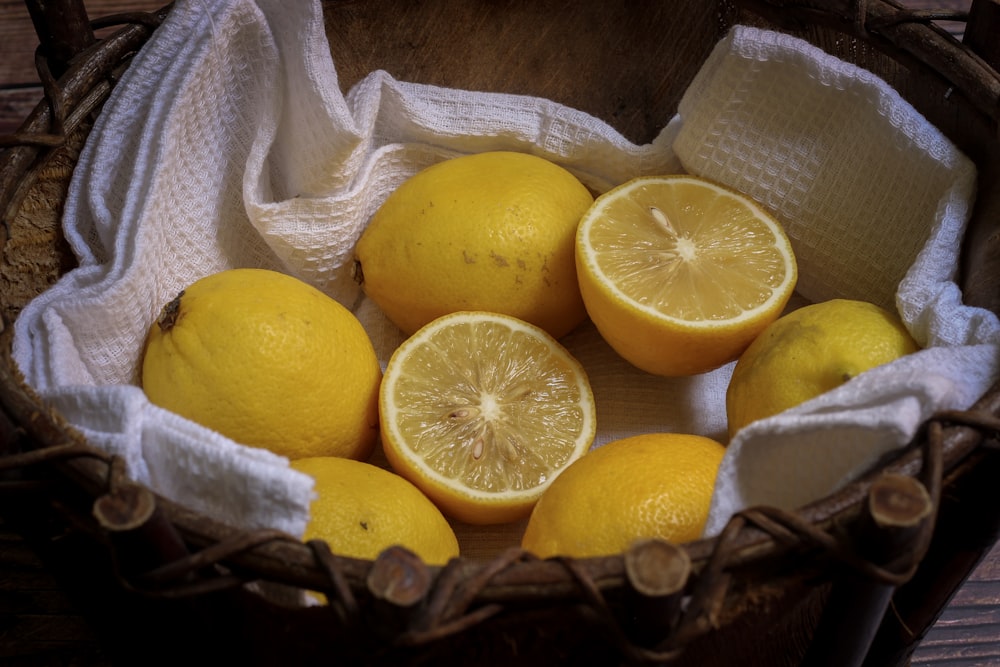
(164, 584)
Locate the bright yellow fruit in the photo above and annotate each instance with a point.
(640, 487)
(269, 361)
(482, 411)
(809, 352)
(490, 231)
(680, 274)
(360, 510)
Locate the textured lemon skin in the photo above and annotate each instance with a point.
(360, 510)
(489, 231)
(565, 390)
(656, 485)
(658, 342)
(665, 347)
(268, 361)
(810, 351)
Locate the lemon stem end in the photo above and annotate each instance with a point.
(168, 316)
(357, 274)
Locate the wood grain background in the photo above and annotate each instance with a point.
(40, 625)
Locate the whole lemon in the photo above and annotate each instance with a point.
(809, 352)
(644, 486)
(361, 509)
(485, 232)
(269, 361)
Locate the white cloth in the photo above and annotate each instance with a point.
(875, 200)
(229, 143)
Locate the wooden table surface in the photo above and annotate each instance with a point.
(39, 625)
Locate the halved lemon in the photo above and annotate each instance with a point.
(481, 411)
(680, 274)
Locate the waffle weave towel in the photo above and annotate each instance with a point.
(229, 143)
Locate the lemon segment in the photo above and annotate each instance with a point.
(655, 485)
(490, 231)
(680, 274)
(482, 411)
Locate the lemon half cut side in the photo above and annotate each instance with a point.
(482, 411)
(680, 274)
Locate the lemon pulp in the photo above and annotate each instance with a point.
(482, 411)
(680, 274)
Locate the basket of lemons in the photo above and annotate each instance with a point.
(518, 333)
